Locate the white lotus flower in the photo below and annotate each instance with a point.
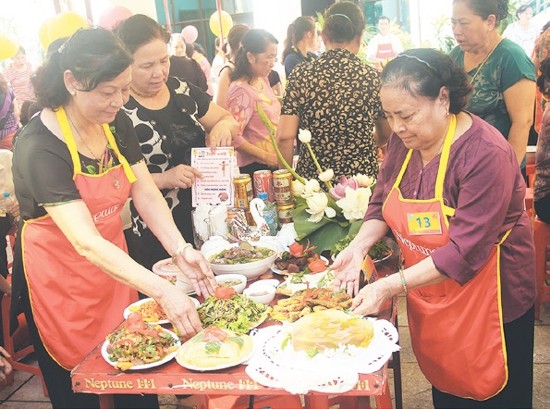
(327, 175)
(355, 203)
(297, 187)
(304, 136)
(364, 180)
(312, 186)
(318, 207)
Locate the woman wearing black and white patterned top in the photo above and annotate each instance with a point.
(336, 98)
(170, 117)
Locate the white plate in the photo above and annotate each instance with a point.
(167, 358)
(214, 368)
(279, 271)
(128, 311)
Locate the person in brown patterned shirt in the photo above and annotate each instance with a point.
(336, 98)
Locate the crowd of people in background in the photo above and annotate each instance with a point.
(164, 96)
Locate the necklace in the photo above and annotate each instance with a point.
(98, 160)
(484, 60)
(139, 94)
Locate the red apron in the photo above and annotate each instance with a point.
(75, 304)
(456, 331)
(385, 51)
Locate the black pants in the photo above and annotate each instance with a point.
(58, 381)
(518, 392)
(5, 226)
(542, 208)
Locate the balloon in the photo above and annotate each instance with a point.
(227, 23)
(190, 34)
(113, 16)
(65, 25)
(43, 33)
(8, 47)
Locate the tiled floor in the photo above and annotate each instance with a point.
(26, 392)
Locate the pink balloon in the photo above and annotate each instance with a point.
(112, 16)
(190, 34)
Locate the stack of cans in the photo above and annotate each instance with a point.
(282, 193)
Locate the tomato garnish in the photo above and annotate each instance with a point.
(214, 334)
(317, 265)
(224, 293)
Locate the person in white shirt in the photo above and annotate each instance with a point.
(384, 45)
(523, 31)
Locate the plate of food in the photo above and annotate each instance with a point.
(298, 259)
(301, 281)
(234, 312)
(135, 345)
(215, 348)
(305, 302)
(151, 311)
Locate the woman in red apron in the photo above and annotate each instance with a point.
(73, 174)
(452, 194)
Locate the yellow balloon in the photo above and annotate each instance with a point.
(227, 23)
(65, 25)
(43, 35)
(8, 47)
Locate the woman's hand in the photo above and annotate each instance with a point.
(347, 270)
(180, 176)
(195, 267)
(371, 299)
(5, 366)
(271, 160)
(181, 311)
(219, 136)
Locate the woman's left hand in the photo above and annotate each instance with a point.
(195, 267)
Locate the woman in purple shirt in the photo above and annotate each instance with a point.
(452, 193)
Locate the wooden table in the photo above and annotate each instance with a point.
(94, 375)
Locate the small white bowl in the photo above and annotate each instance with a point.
(263, 294)
(268, 281)
(168, 270)
(241, 279)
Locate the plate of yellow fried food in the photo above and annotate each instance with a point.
(304, 302)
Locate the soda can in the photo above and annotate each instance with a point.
(263, 182)
(284, 212)
(282, 186)
(243, 190)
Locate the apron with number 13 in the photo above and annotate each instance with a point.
(456, 331)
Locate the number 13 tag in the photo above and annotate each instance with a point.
(424, 223)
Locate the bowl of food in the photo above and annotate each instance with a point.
(237, 281)
(263, 294)
(168, 270)
(242, 258)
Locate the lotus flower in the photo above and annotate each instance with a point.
(304, 136)
(318, 207)
(355, 203)
(327, 175)
(339, 191)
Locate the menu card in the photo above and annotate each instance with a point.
(217, 168)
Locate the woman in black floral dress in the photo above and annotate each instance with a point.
(170, 117)
(336, 98)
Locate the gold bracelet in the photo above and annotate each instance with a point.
(181, 248)
(403, 282)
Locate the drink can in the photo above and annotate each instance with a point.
(284, 212)
(263, 182)
(243, 190)
(282, 186)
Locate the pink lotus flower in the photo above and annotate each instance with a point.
(339, 191)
